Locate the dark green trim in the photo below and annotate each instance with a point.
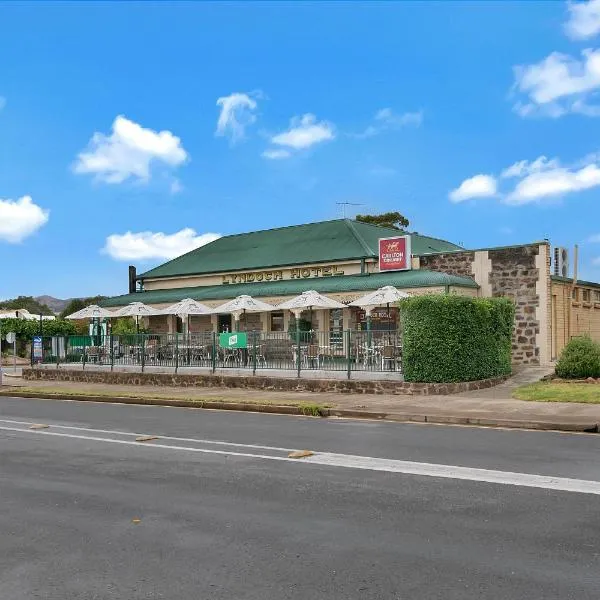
(417, 278)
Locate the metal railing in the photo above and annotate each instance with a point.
(349, 351)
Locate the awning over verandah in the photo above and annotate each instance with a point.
(355, 285)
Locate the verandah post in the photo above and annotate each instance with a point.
(214, 352)
(298, 357)
(348, 354)
(112, 352)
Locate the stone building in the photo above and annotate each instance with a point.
(339, 258)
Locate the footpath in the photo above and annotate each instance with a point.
(492, 407)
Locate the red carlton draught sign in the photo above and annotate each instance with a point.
(394, 253)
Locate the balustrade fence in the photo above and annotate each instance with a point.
(253, 350)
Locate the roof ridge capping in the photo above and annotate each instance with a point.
(239, 234)
(350, 224)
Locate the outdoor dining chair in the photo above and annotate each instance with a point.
(388, 356)
(313, 355)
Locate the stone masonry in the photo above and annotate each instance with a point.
(513, 275)
(453, 263)
(259, 382)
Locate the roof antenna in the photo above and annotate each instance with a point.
(344, 204)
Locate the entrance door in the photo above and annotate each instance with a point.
(224, 323)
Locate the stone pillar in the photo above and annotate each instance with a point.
(214, 321)
(543, 311)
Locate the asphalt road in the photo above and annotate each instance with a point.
(238, 520)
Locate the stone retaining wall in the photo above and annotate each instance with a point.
(279, 384)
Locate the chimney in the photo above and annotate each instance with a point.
(132, 282)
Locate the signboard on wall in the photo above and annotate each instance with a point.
(394, 253)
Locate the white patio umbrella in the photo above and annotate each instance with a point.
(309, 300)
(91, 312)
(384, 296)
(242, 304)
(137, 310)
(186, 307)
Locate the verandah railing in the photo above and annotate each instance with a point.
(347, 350)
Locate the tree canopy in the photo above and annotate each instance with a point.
(393, 220)
(28, 303)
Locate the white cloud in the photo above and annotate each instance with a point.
(387, 116)
(304, 132)
(554, 182)
(20, 218)
(584, 20)
(594, 239)
(276, 154)
(559, 84)
(237, 113)
(524, 167)
(537, 181)
(128, 152)
(386, 119)
(506, 230)
(147, 245)
(478, 186)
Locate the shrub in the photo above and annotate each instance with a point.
(580, 358)
(449, 338)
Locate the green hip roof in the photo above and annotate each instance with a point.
(417, 278)
(326, 241)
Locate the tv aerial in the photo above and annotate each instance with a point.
(345, 204)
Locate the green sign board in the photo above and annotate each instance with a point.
(233, 340)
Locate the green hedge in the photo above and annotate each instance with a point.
(579, 359)
(449, 338)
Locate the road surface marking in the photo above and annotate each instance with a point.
(164, 437)
(330, 459)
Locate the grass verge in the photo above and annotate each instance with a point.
(308, 409)
(559, 392)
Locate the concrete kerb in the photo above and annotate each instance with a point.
(539, 425)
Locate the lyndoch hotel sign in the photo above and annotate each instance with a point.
(281, 274)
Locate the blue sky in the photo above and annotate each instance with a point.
(131, 131)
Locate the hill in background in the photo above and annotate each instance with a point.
(48, 305)
(56, 305)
